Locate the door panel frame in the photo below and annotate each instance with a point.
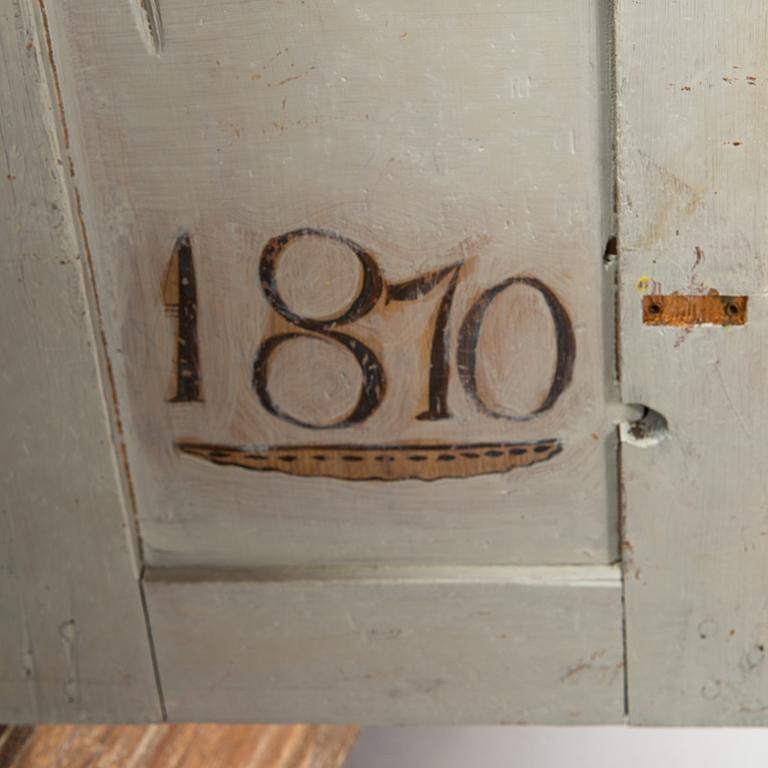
(74, 643)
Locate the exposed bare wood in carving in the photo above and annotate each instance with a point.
(380, 462)
(685, 311)
(149, 23)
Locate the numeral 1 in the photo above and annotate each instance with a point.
(439, 356)
(180, 296)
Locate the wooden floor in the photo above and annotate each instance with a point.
(175, 746)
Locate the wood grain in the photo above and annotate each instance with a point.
(176, 746)
(692, 158)
(13, 741)
(73, 639)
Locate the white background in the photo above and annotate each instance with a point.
(544, 747)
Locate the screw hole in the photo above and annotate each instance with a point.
(731, 310)
(654, 309)
(650, 429)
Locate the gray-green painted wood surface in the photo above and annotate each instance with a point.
(693, 119)
(420, 645)
(73, 640)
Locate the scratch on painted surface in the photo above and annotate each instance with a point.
(607, 671)
(68, 635)
(149, 24)
(734, 408)
(676, 198)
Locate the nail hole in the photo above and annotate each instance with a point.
(611, 251)
(650, 429)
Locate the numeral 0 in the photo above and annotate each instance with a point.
(470, 332)
(374, 379)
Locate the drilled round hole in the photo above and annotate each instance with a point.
(731, 310)
(654, 309)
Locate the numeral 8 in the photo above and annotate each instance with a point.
(374, 380)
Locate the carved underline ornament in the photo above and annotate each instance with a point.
(380, 462)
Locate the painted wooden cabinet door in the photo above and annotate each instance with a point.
(315, 400)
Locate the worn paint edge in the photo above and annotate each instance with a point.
(582, 576)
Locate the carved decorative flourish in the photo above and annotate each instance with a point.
(380, 462)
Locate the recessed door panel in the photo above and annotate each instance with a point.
(349, 263)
